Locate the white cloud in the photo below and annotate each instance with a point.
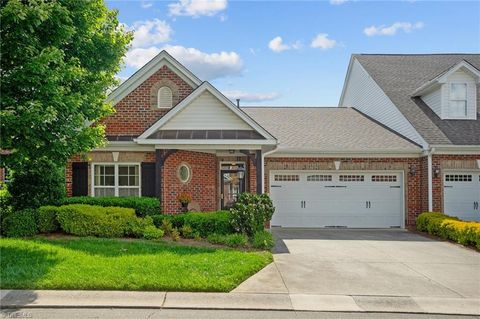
(206, 66)
(251, 96)
(277, 45)
(337, 2)
(196, 8)
(146, 4)
(150, 32)
(392, 30)
(323, 42)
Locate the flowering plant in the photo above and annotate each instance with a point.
(184, 197)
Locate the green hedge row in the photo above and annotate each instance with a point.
(203, 224)
(447, 227)
(143, 206)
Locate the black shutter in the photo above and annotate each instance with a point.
(80, 179)
(148, 179)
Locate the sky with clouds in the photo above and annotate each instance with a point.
(290, 53)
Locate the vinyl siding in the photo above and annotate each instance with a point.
(461, 77)
(206, 112)
(434, 100)
(364, 94)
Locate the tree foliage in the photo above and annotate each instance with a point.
(58, 58)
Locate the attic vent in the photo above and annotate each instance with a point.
(164, 97)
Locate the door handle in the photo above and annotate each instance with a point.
(369, 204)
(304, 204)
(366, 204)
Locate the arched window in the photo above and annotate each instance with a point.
(164, 98)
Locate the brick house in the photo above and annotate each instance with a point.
(350, 166)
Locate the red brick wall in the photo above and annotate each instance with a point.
(134, 113)
(202, 185)
(413, 184)
(448, 162)
(252, 176)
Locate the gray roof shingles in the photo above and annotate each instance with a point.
(400, 75)
(327, 129)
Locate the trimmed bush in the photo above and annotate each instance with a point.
(87, 220)
(186, 231)
(251, 212)
(447, 227)
(231, 240)
(136, 227)
(175, 234)
(152, 232)
(201, 223)
(22, 223)
(263, 240)
(143, 206)
(47, 219)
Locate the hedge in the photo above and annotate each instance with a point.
(203, 224)
(87, 220)
(447, 227)
(143, 206)
(22, 223)
(47, 219)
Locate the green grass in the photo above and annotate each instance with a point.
(112, 264)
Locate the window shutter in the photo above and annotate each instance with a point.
(80, 179)
(148, 179)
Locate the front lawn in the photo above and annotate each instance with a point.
(117, 264)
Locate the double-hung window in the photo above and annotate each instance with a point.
(116, 180)
(458, 99)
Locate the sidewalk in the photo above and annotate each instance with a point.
(235, 301)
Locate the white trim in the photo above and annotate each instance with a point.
(430, 182)
(204, 142)
(339, 153)
(124, 146)
(442, 77)
(209, 147)
(205, 86)
(116, 187)
(401, 172)
(456, 149)
(162, 59)
(263, 169)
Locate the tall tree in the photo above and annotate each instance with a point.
(58, 58)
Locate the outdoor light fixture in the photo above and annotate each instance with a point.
(413, 170)
(337, 165)
(231, 151)
(436, 171)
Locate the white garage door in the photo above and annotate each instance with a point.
(462, 195)
(340, 199)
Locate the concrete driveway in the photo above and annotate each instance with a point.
(367, 263)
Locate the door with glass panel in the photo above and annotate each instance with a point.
(232, 184)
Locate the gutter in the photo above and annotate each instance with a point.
(263, 165)
(429, 154)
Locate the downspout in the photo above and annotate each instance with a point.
(263, 166)
(430, 177)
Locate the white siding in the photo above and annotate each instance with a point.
(364, 94)
(206, 112)
(460, 77)
(434, 100)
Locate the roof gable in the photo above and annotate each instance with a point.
(195, 110)
(160, 60)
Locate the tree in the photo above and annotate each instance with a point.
(58, 58)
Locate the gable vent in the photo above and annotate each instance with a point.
(164, 97)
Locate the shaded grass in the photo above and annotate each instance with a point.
(112, 264)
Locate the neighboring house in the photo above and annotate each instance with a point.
(323, 167)
(432, 99)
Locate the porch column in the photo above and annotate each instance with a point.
(160, 158)
(258, 170)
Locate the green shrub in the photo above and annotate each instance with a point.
(152, 232)
(143, 206)
(251, 212)
(87, 220)
(167, 227)
(175, 234)
(186, 231)
(201, 223)
(447, 227)
(5, 208)
(47, 219)
(263, 240)
(136, 226)
(231, 240)
(22, 223)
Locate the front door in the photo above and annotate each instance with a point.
(233, 183)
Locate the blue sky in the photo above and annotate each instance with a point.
(291, 53)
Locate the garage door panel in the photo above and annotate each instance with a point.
(462, 195)
(353, 199)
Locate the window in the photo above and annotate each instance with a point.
(116, 180)
(351, 178)
(319, 178)
(287, 178)
(184, 173)
(384, 178)
(458, 178)
(458, 99)
(164, 98)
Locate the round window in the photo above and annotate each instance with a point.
(184, 173)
